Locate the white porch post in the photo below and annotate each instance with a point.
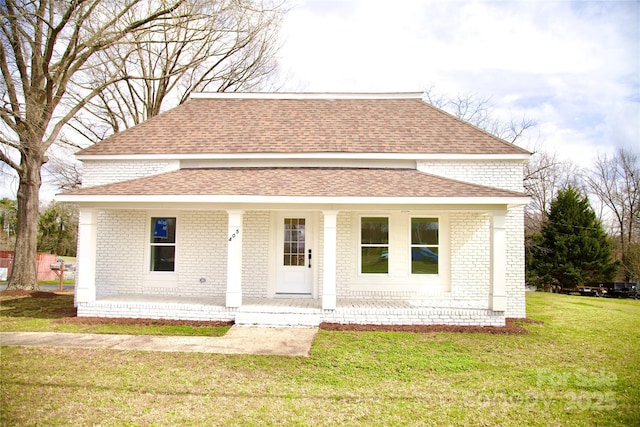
(85, 290)
(329, 266)
(234, 259)
(498, 297)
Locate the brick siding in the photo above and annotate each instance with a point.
(506, 175)
(100, 172)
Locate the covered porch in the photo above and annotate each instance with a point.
(227, 249)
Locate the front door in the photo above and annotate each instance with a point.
(295, 257)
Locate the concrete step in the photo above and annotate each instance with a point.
(302, 320)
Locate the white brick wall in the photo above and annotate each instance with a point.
(470, 258)
(345, 262)
(506, 174)
(121, 238)
(150, 310)
(418, 316)
(202, 253)
(99, 172)
(515, 264)
(255, 254)
(293, 316)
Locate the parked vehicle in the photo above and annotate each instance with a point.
(622, 290)
(593, 290)
(607, 289)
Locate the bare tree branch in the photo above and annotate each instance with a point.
(47, 51)
(615, 182)
(478, 111)
(221, 45)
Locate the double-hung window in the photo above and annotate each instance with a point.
(374, 245)
(163, 244)
(424, 245)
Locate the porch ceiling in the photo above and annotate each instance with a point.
(269, 184)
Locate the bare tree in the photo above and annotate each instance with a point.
(222, 45)
(615, 181)
(45, 50)
(544, 176)
(66, 174)
(64, 59)
(479, 111)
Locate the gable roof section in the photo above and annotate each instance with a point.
(252, 124)
(293, 182)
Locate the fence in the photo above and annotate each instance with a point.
(43, 265)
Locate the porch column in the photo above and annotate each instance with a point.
(85, 290)
(498, 297)
(329, 265)
(234, 258)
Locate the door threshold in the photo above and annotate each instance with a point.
(292, 296)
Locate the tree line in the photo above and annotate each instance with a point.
(57, 227)
(583, 225)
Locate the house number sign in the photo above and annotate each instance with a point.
(234, 235)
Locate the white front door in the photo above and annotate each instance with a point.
(295, 257)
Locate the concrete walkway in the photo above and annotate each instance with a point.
(238, 340)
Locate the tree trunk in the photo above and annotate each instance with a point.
(24, 271)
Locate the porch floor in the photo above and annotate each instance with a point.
(289, 305)
(287, 312)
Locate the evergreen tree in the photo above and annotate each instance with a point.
(573, 247)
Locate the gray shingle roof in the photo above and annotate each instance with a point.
(232, 126)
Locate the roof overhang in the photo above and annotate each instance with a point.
(289, 156)
(306, 95)
(392, 202)
(394, 188)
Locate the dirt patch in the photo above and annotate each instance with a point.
(511, 327)
(66, 312)
(24, 293)
(16, 293)
(140, 322)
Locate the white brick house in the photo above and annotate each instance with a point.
(302, 208)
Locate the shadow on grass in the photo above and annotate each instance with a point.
(39, 305)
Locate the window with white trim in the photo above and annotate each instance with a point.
(163, 244)
(424, 245)
(374, 245)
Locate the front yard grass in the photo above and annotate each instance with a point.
(579, 368)
(44, 311)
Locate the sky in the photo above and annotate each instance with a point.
(572, 66)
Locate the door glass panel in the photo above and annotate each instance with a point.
(294, 241)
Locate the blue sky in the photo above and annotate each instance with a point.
(574, 67)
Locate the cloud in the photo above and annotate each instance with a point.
(573, 66)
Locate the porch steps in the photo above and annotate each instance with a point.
(278, 319)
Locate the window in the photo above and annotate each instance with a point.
(424, 245)
(374, 245)
(294, 229)
(163, 244)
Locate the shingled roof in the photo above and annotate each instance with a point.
(253, 124)
(301, 182)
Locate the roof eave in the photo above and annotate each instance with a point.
(315, 156)
(306, 95)
(302, 200)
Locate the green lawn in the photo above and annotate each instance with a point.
(41, 315)
(580, 368)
